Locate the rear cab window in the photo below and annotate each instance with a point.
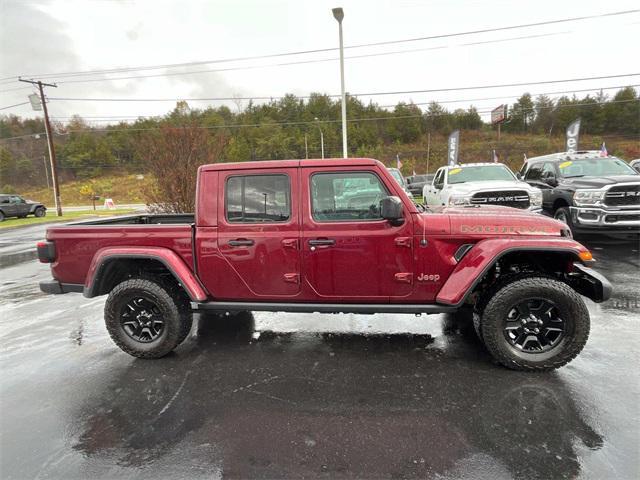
(258, 198)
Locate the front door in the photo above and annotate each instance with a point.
(258, 234)
(350, 253)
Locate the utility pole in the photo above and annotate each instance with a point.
(428, 149)
(52, 151)
(46, 170)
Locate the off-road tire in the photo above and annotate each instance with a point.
(39, 212)
(570, 306)
(177, 323)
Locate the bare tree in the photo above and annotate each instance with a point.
(173, 154)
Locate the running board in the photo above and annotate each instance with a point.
(367, 308)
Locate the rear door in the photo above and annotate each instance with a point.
(258, 232)
(22, 207)
(350, 253)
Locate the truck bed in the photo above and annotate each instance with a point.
(76, 243)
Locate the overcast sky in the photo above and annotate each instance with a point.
(46, 37)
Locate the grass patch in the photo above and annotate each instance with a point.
(121, 188)
(51, 217)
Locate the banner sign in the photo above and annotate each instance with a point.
(573, 132)
(498, 114)
(454, 147)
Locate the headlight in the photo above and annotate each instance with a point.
(459, 200)
(535, 198)
(588, 197)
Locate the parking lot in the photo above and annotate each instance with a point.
(305, 395)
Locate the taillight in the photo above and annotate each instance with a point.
(46, 252)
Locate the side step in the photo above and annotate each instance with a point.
(323, 307)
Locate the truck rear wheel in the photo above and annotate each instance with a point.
(145, 318)
(535, 324)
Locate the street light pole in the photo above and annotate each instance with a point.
(321, 137)
(338, 14)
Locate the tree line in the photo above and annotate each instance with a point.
(290, 127)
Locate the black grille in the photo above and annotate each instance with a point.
(622, 195)
(505, 198)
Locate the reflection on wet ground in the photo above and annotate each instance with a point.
(319, 396)
(286, 405)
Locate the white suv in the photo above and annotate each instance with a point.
(481, 184)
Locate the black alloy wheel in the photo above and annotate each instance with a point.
(534, 326)
(141, 319)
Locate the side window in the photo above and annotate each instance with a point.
(438, 181)
(534, 173)
(4, 199)
(258, 198)
(548, 170)
(346, 196)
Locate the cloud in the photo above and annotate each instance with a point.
(32, 42)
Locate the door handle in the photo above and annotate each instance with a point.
(241, 242)
(318, 242)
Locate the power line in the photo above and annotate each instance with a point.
(369, 94)
(155, 115)
(320, 50)
(306, 62)
(16, 105)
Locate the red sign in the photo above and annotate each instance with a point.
(499, 114)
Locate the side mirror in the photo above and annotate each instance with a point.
(391, 210)
(438, 186)
(518, 176)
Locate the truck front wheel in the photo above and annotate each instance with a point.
(535, 324)
(145, 319)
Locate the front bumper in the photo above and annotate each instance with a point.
(590, 283)
(56, 288)
(600, 219)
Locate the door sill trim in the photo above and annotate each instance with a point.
(368, 308)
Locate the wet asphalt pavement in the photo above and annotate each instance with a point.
(303, 395)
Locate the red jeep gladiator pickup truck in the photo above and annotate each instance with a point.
(330, 236)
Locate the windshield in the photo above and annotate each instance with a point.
(397, 175)
(595, 167)
(481, 173)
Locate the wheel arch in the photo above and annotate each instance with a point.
(476, 268)
(112, 266)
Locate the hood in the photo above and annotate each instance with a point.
(487, 221)
(599, 182)
(488, 186)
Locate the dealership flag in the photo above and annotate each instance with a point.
(603, 150)
(398, 162)
(495, 157)
(573, 132)
(454, 147)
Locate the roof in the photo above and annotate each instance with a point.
(316, 162)
(476, 164)
(566, 156)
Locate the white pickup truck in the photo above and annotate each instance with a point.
(481, 184)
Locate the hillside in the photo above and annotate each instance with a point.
(122, 189)
(475, 146)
